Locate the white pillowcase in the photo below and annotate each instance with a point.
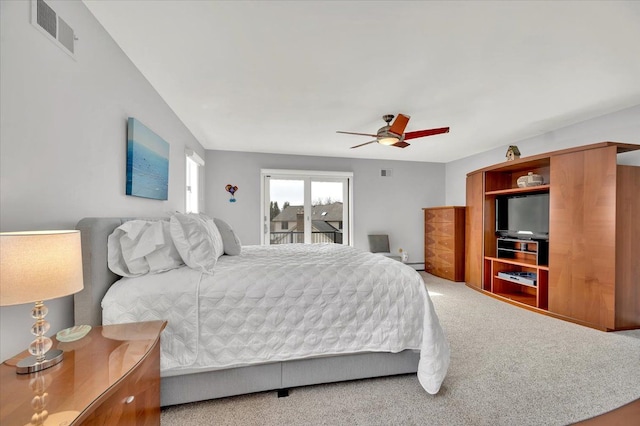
(230, 240)
(197, 239)
(218, 243)
(140, 247)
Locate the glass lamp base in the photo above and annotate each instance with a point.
(29, 365)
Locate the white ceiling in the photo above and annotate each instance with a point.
(283, 76)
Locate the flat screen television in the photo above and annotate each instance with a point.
(523, 216)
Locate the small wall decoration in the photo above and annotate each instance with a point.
(231, 189)
(147, 162)
(512, 153)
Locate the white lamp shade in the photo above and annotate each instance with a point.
(39, 265)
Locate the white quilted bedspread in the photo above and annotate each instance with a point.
(276, 303)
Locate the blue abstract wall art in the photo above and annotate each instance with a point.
(147, 162)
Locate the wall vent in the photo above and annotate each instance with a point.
(44, 18)
(386, 172)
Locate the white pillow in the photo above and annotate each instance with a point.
(230, 240)
(218, 244)
(195, 240)
(140, 247)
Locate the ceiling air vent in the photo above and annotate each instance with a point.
(44, 18)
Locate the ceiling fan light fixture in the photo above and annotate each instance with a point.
(394, 135)
(388, 140)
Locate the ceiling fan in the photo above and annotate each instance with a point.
(393, 134)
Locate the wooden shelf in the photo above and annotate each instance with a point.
(518, 263)
(531, 295)
(527, 299)
(542, 160)
(598, 224)
(525, 190)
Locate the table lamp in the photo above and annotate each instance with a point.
(37, 266)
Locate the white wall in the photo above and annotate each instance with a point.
(63, 138)
(390, 205)
(621, 126)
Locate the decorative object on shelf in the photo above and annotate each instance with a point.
(512, 153)
(147, 162)
(231, 189)
(37, 266)
(530, 179)
(73, 333)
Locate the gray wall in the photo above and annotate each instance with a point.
(63, 139)
(621, 126)
(391, 205)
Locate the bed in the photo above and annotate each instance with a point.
(313, 314)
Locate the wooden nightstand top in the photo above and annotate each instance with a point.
(91, 368)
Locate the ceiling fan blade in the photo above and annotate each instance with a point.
(401, 144)
(354, 133)
(362, 144)
(399, 124)
(423, 133)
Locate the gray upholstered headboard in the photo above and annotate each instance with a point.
(98, 278)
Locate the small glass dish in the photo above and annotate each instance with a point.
(73, 333)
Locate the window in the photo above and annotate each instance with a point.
(310, 205)
(192, 194)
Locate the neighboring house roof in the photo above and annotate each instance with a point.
(323, 226)
(325, 213)
(288, 214)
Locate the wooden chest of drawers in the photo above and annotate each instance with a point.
(444, 242)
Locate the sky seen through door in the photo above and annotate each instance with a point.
(283, 190)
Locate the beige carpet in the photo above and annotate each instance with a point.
(509, 366)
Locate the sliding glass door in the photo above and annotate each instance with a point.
(286, 210)
(306, 207)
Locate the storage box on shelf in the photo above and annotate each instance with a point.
(593, 211)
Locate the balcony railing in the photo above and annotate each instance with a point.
(293, 237)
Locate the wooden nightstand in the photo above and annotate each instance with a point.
(110, 376)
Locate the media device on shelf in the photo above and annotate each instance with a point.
(526, 278)
(534, 252)
(524, 216)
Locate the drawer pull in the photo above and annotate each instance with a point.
(129, 399)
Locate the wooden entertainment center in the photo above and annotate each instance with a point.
(592, 276)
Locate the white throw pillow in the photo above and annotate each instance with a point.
(230, 240)
(140, 247)
(194, 240)
(218, 244)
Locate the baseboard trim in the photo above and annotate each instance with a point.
(418, 266)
